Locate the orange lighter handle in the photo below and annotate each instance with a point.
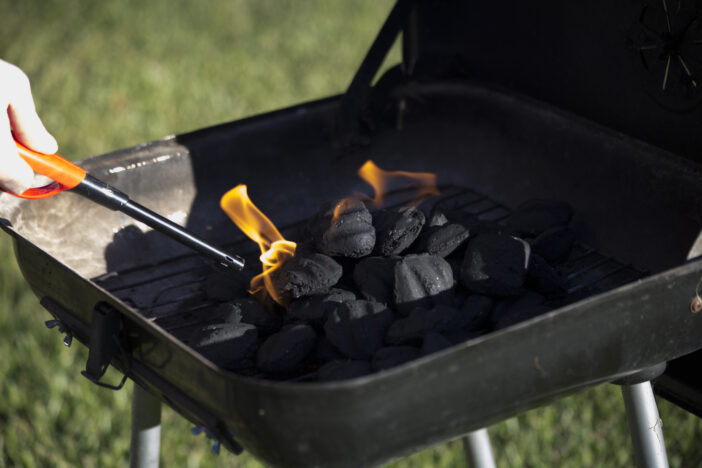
(65, 174)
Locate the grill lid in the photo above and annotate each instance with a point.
(632, 66)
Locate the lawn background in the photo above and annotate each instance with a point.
(108, 75)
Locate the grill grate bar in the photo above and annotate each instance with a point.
(171, 292)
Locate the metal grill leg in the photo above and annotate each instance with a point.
(146, 429)
(645, 425)
(478, 451)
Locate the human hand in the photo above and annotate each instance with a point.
(20, 117)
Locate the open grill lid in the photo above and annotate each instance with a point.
(634, 66)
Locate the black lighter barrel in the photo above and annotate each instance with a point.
(110, 197)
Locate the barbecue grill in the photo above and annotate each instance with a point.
(503, 104)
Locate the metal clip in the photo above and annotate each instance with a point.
(216, 444)
(68, 339)
(104, 345)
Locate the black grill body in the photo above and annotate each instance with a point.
(503, 139)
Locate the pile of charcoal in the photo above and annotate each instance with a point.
(369, 291)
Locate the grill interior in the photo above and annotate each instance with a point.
(172, 293)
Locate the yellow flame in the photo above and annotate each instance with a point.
(384, 181)
(275, 250)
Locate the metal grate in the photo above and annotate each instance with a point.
(172, 292)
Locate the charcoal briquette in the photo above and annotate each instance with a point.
(303, 275)
(461, 335)
(226, 344)
(283, 351)
(343, 228)
(437, 218)
(375, 278)
(512, 310)
(419, 322)
(343, 369)
(249, 310)
(442, 240)
(422, 280)
(228, 312)
(456, 263)
(315, 308)
(554, 244)
(533, 217)
(433, 342)
(475, 312)
(396, 229)
(357, 328)
(392, 356)
(325, 351)
(495, 265)
(543, 278)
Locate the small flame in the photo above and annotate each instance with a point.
(385, 181)
(275, 250)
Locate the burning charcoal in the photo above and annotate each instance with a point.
(344, 369)
(495, 265)
(422, 281)
(395, 230)
(512, 310)
(343, 228)
(252, 312)
(433, 342)
(536, 216)
(303, 275)
(315, 309)
(543, 278)
(419, 322)
(554, 244)
(325, 351)
(226, 344)
(225, 286)
(442, 240)
(282, 352)
(393, 356)
(374, 278)
(357, 328)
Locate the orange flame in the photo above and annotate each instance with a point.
(275, 250)
(385, 181)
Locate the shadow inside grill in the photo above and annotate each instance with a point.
(173, 293)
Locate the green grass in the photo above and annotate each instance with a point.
(108, 75)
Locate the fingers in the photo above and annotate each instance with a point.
(15, 174)
(18, 114)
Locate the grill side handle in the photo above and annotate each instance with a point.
(103, 339)
(106, 345)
